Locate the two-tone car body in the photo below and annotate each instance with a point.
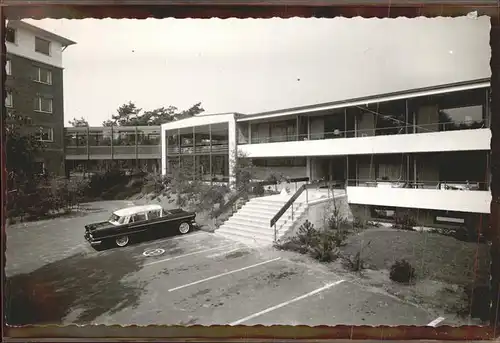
(132, 221)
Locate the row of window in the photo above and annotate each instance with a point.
(41, 75)
(40, 103)
(41, 45)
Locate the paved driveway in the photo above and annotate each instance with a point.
(199, 278)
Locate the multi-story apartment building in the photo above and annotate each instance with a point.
(422, 152)
(35, 87)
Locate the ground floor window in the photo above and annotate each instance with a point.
(385, 213)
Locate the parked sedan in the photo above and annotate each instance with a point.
(131, 221)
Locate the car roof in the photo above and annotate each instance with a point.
(136, 209)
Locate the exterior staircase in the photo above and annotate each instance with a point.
(251, 224)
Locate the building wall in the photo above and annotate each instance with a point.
(25, 46)
(24, 90)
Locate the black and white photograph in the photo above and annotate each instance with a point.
(248, 171)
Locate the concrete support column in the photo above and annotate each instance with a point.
(233, 146)
(164, 151)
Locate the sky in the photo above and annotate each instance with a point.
(255, 65)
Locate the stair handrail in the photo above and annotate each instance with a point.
(285, 207)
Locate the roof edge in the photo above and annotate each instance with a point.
(371, 97)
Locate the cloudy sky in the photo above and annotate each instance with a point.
(256, 65)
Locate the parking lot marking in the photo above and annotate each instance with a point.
(223, 274)
(287, 302)
(436, 321)
(185, 255)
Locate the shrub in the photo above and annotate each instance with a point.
(320, 245)
(104, 181)
(325, 248)
(355, 263)
(405, 222)
(258, 190)
(402, 271)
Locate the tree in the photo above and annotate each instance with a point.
(130, 115)
(79, 122)
(22, 147)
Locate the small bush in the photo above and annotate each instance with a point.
(355, 263)
(402, 272)
(258, 190)
(405, 222)
(320, 245)
(325, 248)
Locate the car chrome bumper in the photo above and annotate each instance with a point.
(91, 240)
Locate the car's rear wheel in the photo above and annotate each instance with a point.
(122, 241)
(184, 228)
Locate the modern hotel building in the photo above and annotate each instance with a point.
(424, 152)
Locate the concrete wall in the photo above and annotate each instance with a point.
(461, 140)
(318, 211)
(436, 199)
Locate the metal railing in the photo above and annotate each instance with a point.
(420, 184)
(131, 150)
(380, 131)
(286, 206)
(200, 149)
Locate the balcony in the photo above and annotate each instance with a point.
(199, 150)
(369, 142)
(115, 152)
(473, 197)
(102, 143)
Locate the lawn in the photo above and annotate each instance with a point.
(446, 269)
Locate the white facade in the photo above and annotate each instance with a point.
(24, 45)
(463, 140)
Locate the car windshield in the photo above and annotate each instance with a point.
(116, 218)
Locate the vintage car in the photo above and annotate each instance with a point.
(132, 221)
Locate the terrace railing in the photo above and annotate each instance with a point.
(377, 131)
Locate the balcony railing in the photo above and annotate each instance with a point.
(420, 184)
(141, 151)
(202, 149)
(385, 131)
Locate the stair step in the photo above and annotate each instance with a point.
(244, 240)
(244, 215)
(269, 208)
(231, 231)
(254, 225)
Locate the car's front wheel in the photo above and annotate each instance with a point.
(184, 228)
(122, 241)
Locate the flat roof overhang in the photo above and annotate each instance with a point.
(408, 94)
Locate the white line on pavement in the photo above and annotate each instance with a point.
(223, 274)
(287, 303)
(185, 255)
(436, 321)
